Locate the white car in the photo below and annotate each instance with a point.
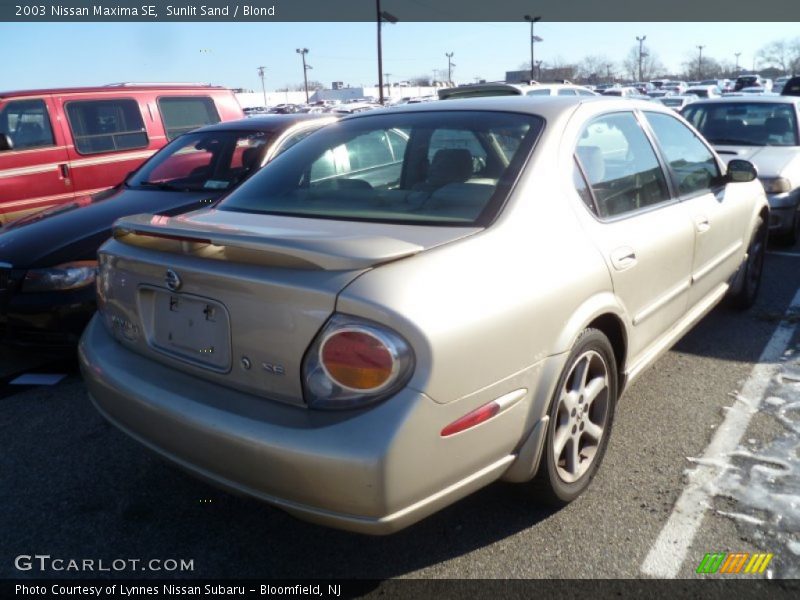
(514, 89)
(675, 102)
(704, 91)
(624, 92)
(764, 131)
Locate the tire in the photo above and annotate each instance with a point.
(753, 267)
(579, 427)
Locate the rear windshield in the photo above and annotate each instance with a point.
(745, 123)
(743, 82)
(437, 167)
(210, 160)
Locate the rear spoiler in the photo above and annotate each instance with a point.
(277, 247)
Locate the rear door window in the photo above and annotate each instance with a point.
(106, 125)
(621, 165)
(182, 115)
(27, 123)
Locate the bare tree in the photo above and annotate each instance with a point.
(778, 54)
(595, 68)
(651, 65)
(794, 56)
(710, 69)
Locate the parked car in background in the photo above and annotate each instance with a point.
(752, 80)
(724, 85)
(755, 89)
(60, 144)
(558, 89)
(363, 347)
(660, 93)
(704, 91)
(674, 102)
(511, 89)
(676, 87)
(791, 87)
(763, 130)
(284, 109)
(354, 107)
(625, 92)
(48, 259)
(778, 83)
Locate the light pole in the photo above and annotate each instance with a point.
(263, 88)
(450, 66)
(302, 52)
(641, 54)
(539, 68)
(608, 71)
(381, 17)
(388, 85)
(736, 69)
(700, 63)
(534, 39)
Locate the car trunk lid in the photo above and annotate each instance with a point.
(239, 298)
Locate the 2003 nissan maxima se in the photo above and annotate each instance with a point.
(411, 304)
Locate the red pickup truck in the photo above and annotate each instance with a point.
(57, 145)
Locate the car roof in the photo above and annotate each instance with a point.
(111, 89)
(548, 107)
(264, 122)
(750, 99)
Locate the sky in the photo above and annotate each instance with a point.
(41, 55)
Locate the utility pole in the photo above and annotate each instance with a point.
(302, 52)
(534, 39)
(737, 55)
(700, 63)
(450, 66)
(263, 88)
(381, 16)
(641, 54)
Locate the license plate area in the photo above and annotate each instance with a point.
(190, 328)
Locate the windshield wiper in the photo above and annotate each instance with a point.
(732, 142)
(163, 185)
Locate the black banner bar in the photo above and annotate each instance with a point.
(722, 588)
(404, 10)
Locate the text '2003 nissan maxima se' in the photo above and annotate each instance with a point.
(411, 304)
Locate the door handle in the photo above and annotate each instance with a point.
(64, 170)
(623, 258)
(702, 224)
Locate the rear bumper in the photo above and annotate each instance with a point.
(375, 471)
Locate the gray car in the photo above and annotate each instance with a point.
(763, 130)
(408, 305)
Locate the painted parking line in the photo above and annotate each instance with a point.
(669, 550)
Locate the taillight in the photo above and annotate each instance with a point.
(357, 359)
(354, 362)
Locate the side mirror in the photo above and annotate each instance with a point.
(741, 171)
(6, 142)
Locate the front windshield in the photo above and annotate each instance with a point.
(433, 167)
(745, 123)
(211, 160)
